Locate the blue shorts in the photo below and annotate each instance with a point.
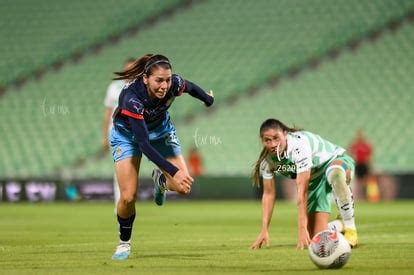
(163, 138)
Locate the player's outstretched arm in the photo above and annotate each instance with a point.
(195, 91)
(268, 200)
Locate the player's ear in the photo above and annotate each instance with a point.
(145, 79)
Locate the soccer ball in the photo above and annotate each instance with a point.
(329, 249)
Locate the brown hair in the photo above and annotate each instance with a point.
(270, 123)
(144, 66)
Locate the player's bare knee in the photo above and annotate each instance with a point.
(336, 162)
(127, 199)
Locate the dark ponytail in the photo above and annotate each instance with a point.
(143, 66)
(256, 170)
(270, 123)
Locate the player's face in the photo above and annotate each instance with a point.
(158, 83)
(274, 140)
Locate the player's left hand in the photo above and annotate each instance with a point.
(210, 93)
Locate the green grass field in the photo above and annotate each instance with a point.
(187, 237)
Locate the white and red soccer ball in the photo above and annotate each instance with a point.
(329, 249)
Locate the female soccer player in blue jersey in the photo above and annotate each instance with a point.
(141, 124)
(320, 168)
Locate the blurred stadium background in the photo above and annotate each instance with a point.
(331, 67)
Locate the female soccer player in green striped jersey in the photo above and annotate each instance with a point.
(320, 168)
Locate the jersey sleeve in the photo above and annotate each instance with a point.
(265, 171)
(178, 85)
(302, 155)
(132, 107)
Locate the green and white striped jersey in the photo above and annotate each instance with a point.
(305, 151)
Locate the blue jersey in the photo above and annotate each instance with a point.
(140, 120)
(135, 102)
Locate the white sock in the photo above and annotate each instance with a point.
(343, 195)
(336, 225)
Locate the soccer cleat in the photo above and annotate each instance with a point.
(160, 192)
(351, 236)
(122, 251)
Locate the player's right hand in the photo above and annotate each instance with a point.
(263, 238)
(303, 239)
(183, 181)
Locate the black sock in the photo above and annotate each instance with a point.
(125, 227)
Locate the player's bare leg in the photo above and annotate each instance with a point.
(127, 171)
(317, 222)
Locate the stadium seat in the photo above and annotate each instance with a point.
(227, 46)
(57, 30)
